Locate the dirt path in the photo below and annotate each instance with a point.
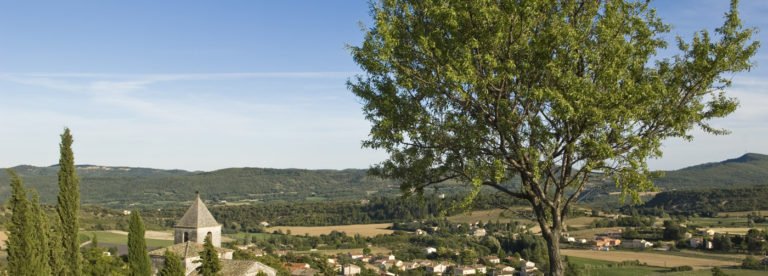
(652, 259)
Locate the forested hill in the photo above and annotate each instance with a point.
(120, 186)
(710, 201)
(747, 170)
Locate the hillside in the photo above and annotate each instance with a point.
(121, 187)
(747, 170)
(711, 200)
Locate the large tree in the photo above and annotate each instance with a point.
(68, 207)
(544, 92)
(138, 258)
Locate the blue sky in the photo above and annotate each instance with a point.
(198, 86)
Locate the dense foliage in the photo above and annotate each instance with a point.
(378, 209)
(708, 202)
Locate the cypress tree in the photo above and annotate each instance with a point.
(209, 258)
(173, 265)
(40, 233)
(20, 245)
(138, 258)
(68, 207)
(27, 240)
(56, 251)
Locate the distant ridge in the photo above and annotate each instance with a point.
(123, 187)
(746, 170)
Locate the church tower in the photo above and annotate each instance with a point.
(197, 223)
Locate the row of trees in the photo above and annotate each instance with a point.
(39, 247)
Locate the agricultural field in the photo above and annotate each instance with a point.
(592, 267)
(649, 258)
(740, 214)
(365, 230)
(732, 222)
(375, 250)
(116, 237)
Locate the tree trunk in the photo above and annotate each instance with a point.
(552, 236)
(556, 267)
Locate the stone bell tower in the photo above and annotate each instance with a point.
(196, 224)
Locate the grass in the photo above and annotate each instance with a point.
(594, 267)
(114, 238)
(729, 222)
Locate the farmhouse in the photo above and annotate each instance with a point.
(188, 236)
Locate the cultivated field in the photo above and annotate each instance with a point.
(652, 259)
(365, 230)
(740, 214)
(155, 235)
(120, 238)
(375, 250)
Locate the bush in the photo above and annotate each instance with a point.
(682, 268)
(752, 263)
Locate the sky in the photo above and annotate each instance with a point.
(201, 85)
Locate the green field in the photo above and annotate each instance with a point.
(592, 267)
(239, 236)
(114, 238)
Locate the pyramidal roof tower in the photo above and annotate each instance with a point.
(196, 224)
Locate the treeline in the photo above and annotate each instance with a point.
(708, 202)
(379, 209)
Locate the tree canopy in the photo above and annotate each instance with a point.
(547, 92)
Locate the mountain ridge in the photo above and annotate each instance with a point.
(122, 187)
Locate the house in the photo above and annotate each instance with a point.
(438, 268)
(429, 250)
(502, 270)
(480, 269)
(410, 265)
(696, 242)
(527, 267)
(637, 243)
(606, 241)
(420, 232)
(571, 239)
(264, 224)
(294, 266)
(355, 256)
(350, 269)
(463, 270)
(480, 232)
(708, 232)
(492, 260)
(422, 262)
